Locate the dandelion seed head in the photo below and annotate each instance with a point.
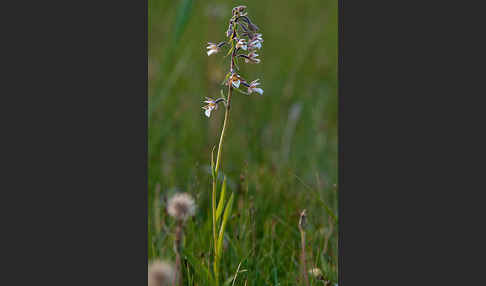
(161, 273)
(181, 206)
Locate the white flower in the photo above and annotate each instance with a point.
(253, 87)
(258, 37)
(241, 44)
(181, 206)
(255, 44)
(212, 48)
(252, 57)
(161, 273)
(234, 80)
(211, 105)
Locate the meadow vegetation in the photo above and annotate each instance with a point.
(280, 148)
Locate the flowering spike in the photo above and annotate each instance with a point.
(244, 39)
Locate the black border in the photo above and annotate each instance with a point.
(80, 143)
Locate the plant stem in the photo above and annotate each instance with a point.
(177, 248)
(303, 265)
(221, 139)
(218, 161)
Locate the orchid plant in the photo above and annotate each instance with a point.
(243, 42)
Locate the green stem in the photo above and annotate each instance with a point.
(177, 249)
(214, 211)
(221, 139)
(218, 162)
(303, 266)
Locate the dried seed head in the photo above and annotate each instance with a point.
(302, 220)
(181, 206)
(161, 273)
(316, 273)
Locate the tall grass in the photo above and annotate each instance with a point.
(280, 154)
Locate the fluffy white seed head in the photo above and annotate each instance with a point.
(181, 206)
(161, 273)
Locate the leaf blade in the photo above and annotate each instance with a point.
(222, 195)
(227, 212)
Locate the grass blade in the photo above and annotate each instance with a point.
(183, 15)
(199, 268)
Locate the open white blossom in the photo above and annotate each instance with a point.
(212, 48)
(242, 44)
(234, 80)
(255, 44)
(253, 87)
(252, 57)
(259, 37)
(211, 105)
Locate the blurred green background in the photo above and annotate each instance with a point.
(280, 152)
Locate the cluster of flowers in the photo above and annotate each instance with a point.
(243, 36)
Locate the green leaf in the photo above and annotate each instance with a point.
(236, 63)
(226, 215)
(232, 47)
(230, 50)
(183, 15)
(219, 210)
